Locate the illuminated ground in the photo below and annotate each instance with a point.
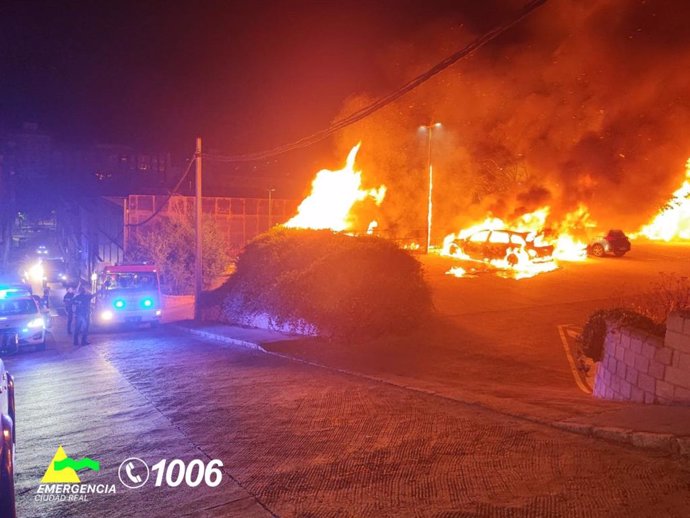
(498, 340)
(302, 440)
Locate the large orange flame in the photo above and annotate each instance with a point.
(673, 221)
(333, 194)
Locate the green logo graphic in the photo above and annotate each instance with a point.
(63, 469)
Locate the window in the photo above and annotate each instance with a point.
(500, 237)
(18, 307)
(517, 239)
(479, 237)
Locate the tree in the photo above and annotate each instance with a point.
(168, 241)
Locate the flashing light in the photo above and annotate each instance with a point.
(36, 322)
(158, 312)
(106, 315)
(119, 304)
(4, 292)
(147, 303)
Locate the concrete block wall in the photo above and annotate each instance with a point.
(643, 368)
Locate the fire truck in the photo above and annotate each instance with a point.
(127, 294)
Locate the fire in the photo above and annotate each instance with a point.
(333, 194)
(520, 248)
(673, 221)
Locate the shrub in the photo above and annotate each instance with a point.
(594, 331)
(670, 293)
(168, 242)
(345, 286)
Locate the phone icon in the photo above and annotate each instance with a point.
(129, 470)
(133, 473)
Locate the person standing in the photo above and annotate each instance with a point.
(46, 296)
(69, 308)
(82, 314)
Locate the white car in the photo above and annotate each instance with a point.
(22, 323)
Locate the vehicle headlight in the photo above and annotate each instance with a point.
(119, 304)
(36, 272)
(106, 315)
(158, 312)
(36, 323)
(147, 302)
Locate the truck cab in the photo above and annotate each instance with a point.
(127, 294)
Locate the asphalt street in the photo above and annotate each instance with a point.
(300, 440)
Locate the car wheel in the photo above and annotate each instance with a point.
(619, 253)
(41, 346)
(598, 250)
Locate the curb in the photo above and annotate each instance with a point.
(222, 338)
(664, 442)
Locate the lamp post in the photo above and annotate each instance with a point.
(429, 209)
(270, 206)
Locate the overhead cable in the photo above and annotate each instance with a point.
(380, 103)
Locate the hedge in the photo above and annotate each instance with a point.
(345, 286)
(594, 330)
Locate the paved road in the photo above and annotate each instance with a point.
(299, 440)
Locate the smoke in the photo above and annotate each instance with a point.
(585, 102)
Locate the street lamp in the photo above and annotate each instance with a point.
(429, 129)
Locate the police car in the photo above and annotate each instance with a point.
(22, 323)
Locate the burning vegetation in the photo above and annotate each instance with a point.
(578, 117)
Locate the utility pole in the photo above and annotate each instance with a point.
(198, 279)
(125, 228)
(270, 207)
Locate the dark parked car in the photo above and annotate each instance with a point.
(501, 244)
(55, 271)
(615, 242)
(7, 440)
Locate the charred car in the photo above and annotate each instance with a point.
(502, 244)
(614, 242)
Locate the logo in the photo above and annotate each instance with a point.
(133, 473)
(61, 482)
(63, 469)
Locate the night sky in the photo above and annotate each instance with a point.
(246, 75)
(585, 102)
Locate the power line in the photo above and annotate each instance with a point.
(170, 195)
(375, 106)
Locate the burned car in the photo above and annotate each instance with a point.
(502, 244)
(614, 242)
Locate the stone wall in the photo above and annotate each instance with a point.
(639, 367)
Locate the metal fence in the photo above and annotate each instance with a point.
(240, 219)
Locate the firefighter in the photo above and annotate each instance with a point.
(69, 308)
